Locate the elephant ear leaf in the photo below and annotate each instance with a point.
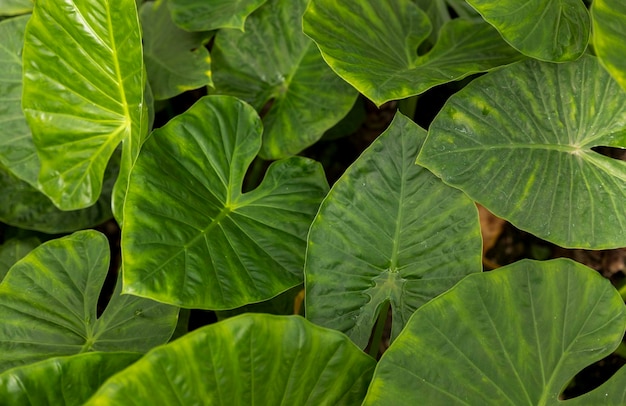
(609, 25)
(83, 94)
(207, 15)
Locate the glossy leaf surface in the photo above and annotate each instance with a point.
(609, 26)
(48, 304)
(519, 141)
(373, 45)
(83, 93)
(13, 250)
(549, 30)
(207, 15)
(176, 60)
(191, 237)
(247, 360)
(513, 336)
(280, 72)
(62, 380)
(389, 230)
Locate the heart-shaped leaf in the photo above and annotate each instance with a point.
(48, 305)
(13, 250)
(549, 30)
(389, 230)
(83, 94)
(279, 71)
(609, 26)
(519, 141)
(176, 60)
(207, 15)
(191, 237)
(512, 336)
(61, 380)
(246, 360)
(372, 44)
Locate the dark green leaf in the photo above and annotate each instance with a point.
(13, 250)
(207, 15)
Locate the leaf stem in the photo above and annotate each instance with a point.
(408, 106)
(379, 329)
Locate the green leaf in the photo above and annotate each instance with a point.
(176, 60)
(252, 359)
(279, 71)
(513, 336)
(13, 250)
(48, 301)
(610, 393)
(373, 45)
(549, 30)
(15, 7)
(389, 230)
(207, 15)
(519, 141)
(62, 380)
(191, 237)
(83, 94)
(609, 28)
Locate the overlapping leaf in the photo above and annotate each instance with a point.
(519, 141)
(15, 7)
(48, 305)
(549, 30)
(207, 15)
(176, 60)
(83, 94)
(609, 28)
(61, 381)
(191, 237)
(513, 336)
(247, 360)
(373, 45)
(13, 250)
(279, 71)
(389, 230)
(610, 393)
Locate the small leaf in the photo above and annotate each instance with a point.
(61, 380)
(549, 30)
(252, 359)
(519, 141)
(191, 237)
(609, 28)
(513, 336)
(389, 230)
(176, 60)
(48, 304)
(208, 15)
(373, 44)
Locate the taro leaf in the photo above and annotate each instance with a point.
(609, 30)
(519, 141)
(61, 380)
(252, 359)
(549, 30)
(176, 60)
(83, 94)
(207, 15)
(372, 44)
(13, 250)
(610, 393)
(275, 67)
(48, 304)
(389, 230)
(190, 236)
(15, 7)
(513, 336)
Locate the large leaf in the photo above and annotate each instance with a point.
(609, 29)
(253, 359)
(191, 237)
(372, 44)
(61, 380)
(550, 30)
(83, 93)
(279, 71)
(389, 230)
(519, 141)
(13, 250)
(207, 15)
(15, 7)
(176, 60)
(514, 336)
(48, 305)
